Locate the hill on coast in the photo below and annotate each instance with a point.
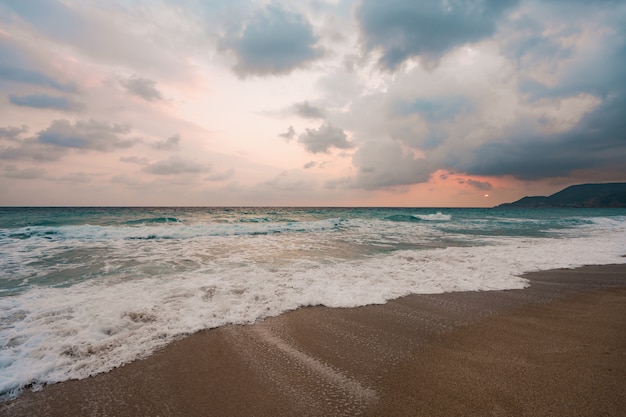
(583, 195)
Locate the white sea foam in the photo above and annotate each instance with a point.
(434, 217)
(148, 295)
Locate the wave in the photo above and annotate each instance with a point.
(254, 220)
(402, 218)
(434, 217)
(46, 233)
(153, 220)
(54, 334)
(88, 298)
(167, 228)
(419, 217)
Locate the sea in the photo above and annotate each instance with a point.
(85, 290)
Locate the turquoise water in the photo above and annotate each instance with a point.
(83, 290)
(65, 246)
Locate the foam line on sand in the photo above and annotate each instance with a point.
(557, 347)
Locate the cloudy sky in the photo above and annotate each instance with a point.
(309, 102)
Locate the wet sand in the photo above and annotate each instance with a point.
(557, 348)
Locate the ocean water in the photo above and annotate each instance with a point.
(84, 290)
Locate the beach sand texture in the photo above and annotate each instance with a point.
(557, 348)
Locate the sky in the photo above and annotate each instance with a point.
(435, 103)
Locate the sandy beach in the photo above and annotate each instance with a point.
(557, 348)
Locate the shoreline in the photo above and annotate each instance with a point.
(555, 347)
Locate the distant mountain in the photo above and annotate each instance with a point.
(582, 195)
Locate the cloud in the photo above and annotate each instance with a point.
(106, 35)
(221, 176)
(31, 148)
(322, 139)
(533, 93)
(479, 185)
(402, 29)
(169, 144)
(24, 173)
(11, 132)
(45, 101)
(30, 76)
(385, 163)
(307, 111)
(61, 136)
(533, 41)
(134, 159)
(531, 149)
(76, 178)
(274, 41)
(90, 134)
(544, 102)
(143, 88)
(176, 165)
(586, 147)
(434, 109)
(17, 66)
(289, 134)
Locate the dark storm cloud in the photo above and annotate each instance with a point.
(142, 87)
(565, 57)
(45, 101)
(325, 137)
(589, 146)
(402, 29)
(274, 41)
(596, 142)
